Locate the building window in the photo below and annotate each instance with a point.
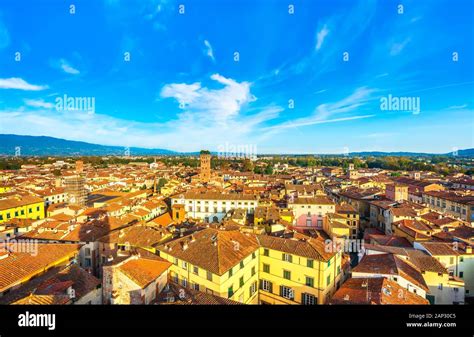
(253, 289)
(184, 282)
(254, 255)
(310, 263)
(266, 285)
(231, 272)
(287, 274)
(287, 257)
(287, 292)
(461, 259)
(461, 274)
(175, 261)
(308, 299)
(230, 291)
(328, 280)
(184, 265)
(266, 252)
(241, 281)
(266, 268)
(196, 270)
(209, 276)
(241, 264)
(196, 286)
(253, 271)
(309, 281)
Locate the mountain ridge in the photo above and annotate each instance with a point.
(52, 146)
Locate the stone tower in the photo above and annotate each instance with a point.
(205, 175)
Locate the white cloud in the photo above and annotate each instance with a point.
(213, 105)
(398, 47)
(209, 50)
(20, 84)
(67, 68)
(210, 118)
(39, 103)
(321, 36)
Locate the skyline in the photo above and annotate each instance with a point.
(292, 90)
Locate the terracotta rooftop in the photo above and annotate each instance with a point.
(390, 264)
(377, 290)
(144, 271)
(212, 249)
(301, 245)
(16, 267)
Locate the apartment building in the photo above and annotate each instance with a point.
(213, 206)
(217, 262)
(254, 269)
(310, 212)
(22, 207)
(299, 270)
(454, 204)
(456, 257)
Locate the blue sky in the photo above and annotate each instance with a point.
(291, 89)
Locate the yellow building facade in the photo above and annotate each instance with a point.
(26, 207)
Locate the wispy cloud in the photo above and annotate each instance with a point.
(321, 36)
(331, 112)
(397, 47)
(67, 68)
(457, 107)
(209, 50)
(20, 84)
(38, 103)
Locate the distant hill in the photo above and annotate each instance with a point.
(49, 146)
(461, 153)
